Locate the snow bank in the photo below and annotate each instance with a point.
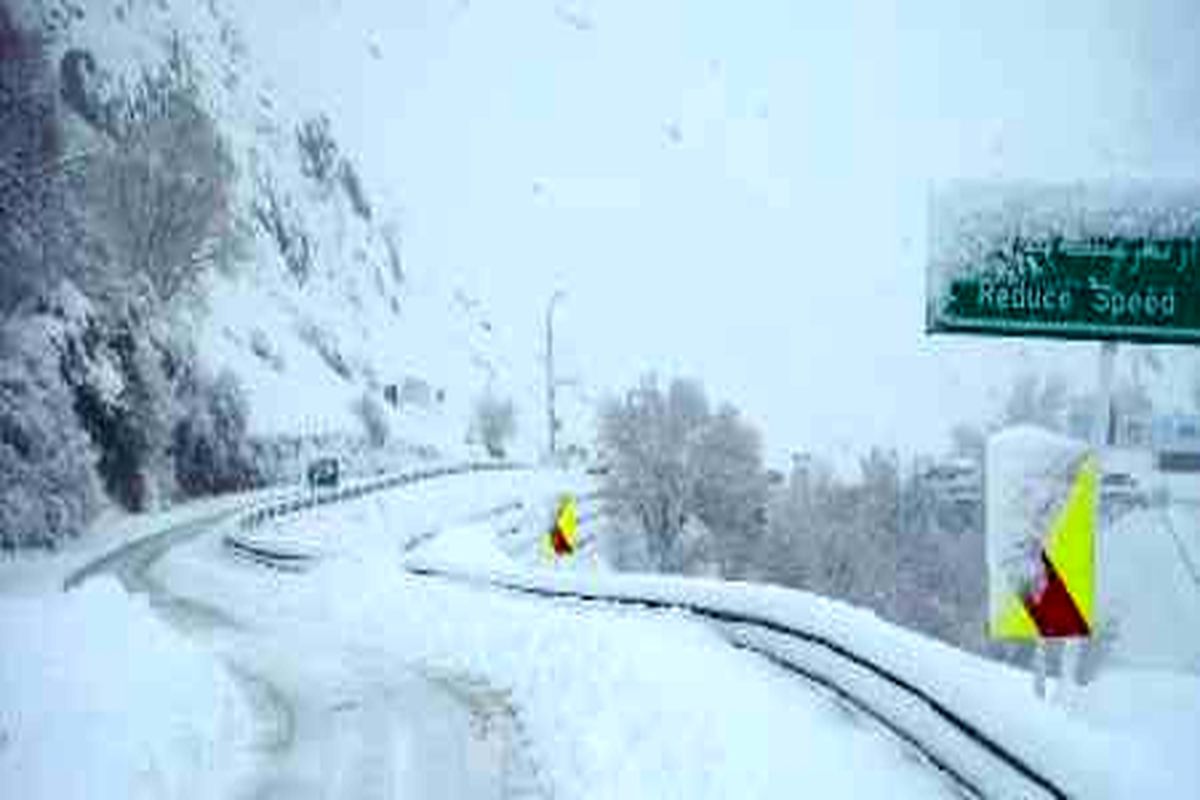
(1087, 760)
(102, 699)
(607, 702)
(1145, 587)
(632, 702)
(38, 573)
(1161, 708)
(610, 703)
(469, 546)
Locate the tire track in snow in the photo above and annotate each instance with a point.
(306, 746)
(497, 724)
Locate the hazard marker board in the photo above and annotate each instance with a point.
(1042, 538)
(563, 537)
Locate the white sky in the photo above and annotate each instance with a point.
(736, 191)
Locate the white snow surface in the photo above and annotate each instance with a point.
(37, 573)
(609, 702)
(622, 702)
(1091, 760)
(1159, 707)
(612, 703)
(616, 704)
(103, 699)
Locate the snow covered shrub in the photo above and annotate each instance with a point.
(321, 161)
(162, 194)
(729, 490)
(318, 150)
(209, 444)
(261, 346)
(129, 422)
(671, 460)
(371, 414)
(354, 189)
(880, 541)
(47, 486)
(494, 424)
(325, 343)
(279, 219)
(391, 242)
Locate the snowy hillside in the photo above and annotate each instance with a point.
(321, 308)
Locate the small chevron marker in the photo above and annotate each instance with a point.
(563, 538)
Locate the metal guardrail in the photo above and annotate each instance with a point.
(284, 562)
(733, 624)
(492, 513)
(290, 506)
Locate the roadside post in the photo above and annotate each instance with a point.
(562, 540)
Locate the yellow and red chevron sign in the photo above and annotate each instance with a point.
(563, 537)
(1060, 599)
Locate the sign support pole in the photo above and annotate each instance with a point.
(1041, 657)
(1104, 424)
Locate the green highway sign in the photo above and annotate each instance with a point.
(1030, 280)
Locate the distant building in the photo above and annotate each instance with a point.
(413, 392)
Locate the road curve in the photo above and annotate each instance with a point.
(342, 725)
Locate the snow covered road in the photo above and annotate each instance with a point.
(372, 680)
(330, 722)
(474, 693)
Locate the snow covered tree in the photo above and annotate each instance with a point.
(494, 424)
(47, 485)
(39, 226)
(729, 489)
(1037, 402)
(318, 150)
(850, 547)
(128, 417)
(371, 414)
(643, 442)
(209, 443)
(161, 192)
(875, 542)
(677, 469)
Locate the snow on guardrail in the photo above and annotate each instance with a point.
(281, 558)
(974, 719)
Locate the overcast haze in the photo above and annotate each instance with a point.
(738, 193)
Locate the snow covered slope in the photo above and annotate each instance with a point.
(322, 308)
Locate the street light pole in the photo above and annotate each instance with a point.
(551, 416)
